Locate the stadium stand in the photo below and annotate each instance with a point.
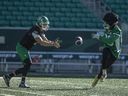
(120, 7)
(62, 13)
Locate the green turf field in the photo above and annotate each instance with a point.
(65, 87)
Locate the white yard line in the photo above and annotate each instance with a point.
(6, 95)
(32, 93)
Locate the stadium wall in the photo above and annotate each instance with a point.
(13, 35)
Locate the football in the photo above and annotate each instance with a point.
(78, 41)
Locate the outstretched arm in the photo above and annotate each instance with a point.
(45, 42)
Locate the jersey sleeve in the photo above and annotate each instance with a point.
(44, 37)
(110, 39)
(35, 35)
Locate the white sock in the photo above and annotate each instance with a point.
(104, 71)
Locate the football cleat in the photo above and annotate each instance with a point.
(103, 77)
(94, 83)
(7, 80)
(23, 85)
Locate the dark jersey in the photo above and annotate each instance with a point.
(28, 40)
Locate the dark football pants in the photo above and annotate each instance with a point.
(107, 59)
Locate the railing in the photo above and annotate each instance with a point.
(62, 63)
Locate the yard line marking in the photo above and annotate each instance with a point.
(32, 93)
(6, 95)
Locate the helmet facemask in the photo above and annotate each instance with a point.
(44, 27)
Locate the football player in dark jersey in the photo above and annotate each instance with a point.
(36, 35)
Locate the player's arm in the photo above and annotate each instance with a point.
(57, 41)
(44, 42)
(109, 39)
(45, 38)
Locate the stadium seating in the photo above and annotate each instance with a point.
(120, 7)
(62, 13)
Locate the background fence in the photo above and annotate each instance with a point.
(63, 64)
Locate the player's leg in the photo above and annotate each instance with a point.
(25, 57)
(103, 71)
(104, 58)
(95, 81)
(7, 78)
(27, 64)
(108, 60)
(24, 70)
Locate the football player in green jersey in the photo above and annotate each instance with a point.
(112, 40)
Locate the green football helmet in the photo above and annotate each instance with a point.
(43, 20)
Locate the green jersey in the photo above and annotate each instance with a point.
(112, 39)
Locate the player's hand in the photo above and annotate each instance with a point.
(56, 44)
(95, 36)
